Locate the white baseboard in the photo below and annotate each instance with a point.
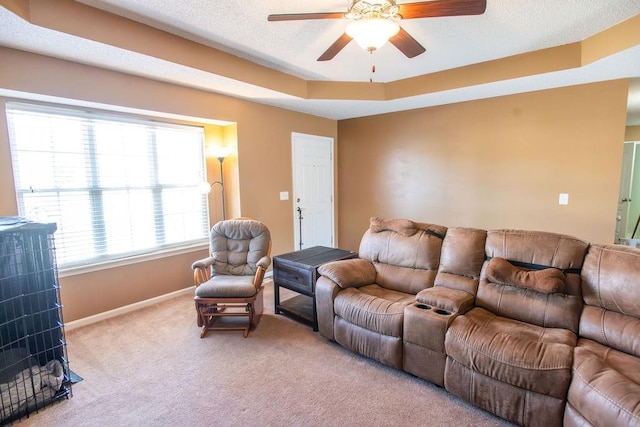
(126, 309)
(131, 307)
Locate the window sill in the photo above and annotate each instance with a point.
(74, 271)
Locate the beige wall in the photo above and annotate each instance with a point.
(259, 171)
(493, 163)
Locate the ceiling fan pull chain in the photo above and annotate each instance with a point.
(373, 66)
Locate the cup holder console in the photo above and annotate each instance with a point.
(435, 310)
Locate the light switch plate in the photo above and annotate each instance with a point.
(563, 199)
(284, 195)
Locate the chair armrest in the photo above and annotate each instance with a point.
(201, 270)
(349, 273)
(264, 262)
(203, 263)
(453, 300)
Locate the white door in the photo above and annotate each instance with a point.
(624, 197)
(312, 190)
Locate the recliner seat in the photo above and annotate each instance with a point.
(361, 302)
(512, 353)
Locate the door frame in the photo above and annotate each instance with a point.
(625, 191)
(296, 224)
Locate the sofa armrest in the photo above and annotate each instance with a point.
(325, 293)
(349, 273)
(453, 300)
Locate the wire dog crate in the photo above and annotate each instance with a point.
(34, 369)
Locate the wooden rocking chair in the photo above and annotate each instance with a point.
(229, 281)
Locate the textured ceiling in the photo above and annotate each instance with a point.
(507, 28)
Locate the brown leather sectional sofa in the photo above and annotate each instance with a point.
(541, 329)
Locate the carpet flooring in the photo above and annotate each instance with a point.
(150, 368)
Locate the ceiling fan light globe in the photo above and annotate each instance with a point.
(372, 33)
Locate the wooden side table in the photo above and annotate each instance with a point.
(298, 271)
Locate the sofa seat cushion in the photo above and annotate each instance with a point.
(517, 353)
(605, 388)
(374, 308)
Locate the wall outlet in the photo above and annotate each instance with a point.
(563, 199)
(284, 195)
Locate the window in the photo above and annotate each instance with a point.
(116, 186)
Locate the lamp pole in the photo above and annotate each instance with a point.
(221, 182)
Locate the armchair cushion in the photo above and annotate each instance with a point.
(349, 273)
(227, 286)
(547, 281)
(238, 245)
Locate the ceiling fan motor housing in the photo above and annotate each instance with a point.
(369, 9)
(372, 22)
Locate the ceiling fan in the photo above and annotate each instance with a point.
(374, 22)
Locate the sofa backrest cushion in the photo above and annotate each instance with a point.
(461, 259)
(611, 292)
(406, 254)
(531, 250)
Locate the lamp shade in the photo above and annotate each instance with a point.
(218, 151)
(372, 33)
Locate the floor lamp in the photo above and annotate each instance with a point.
(221, 182)
(208, 186)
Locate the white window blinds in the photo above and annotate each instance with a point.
(116, 186)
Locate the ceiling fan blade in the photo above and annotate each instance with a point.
(304, 16)
(407, 44)
(431, 9)
(335, 48)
